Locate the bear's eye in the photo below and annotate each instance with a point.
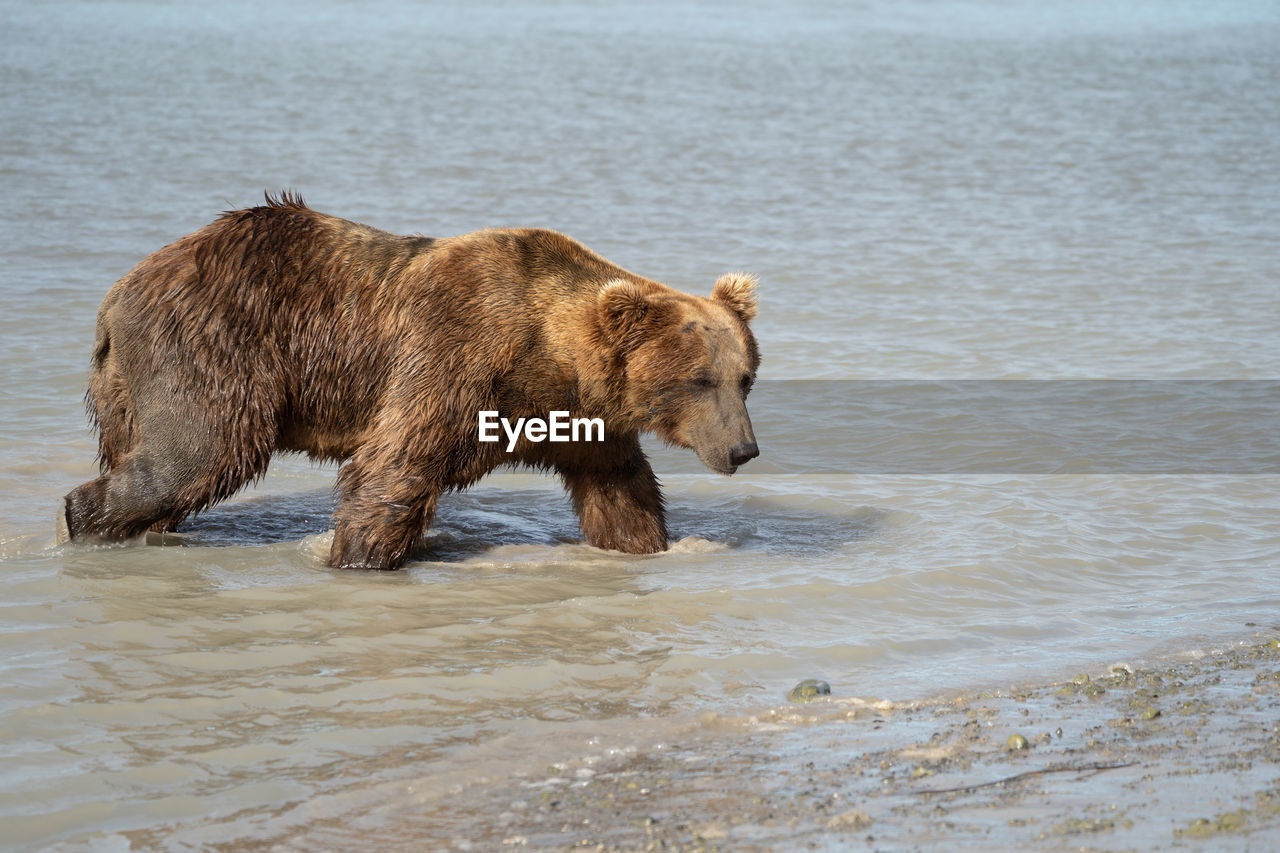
(703, 382)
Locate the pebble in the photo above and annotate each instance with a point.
(852, 819)
(808, 690)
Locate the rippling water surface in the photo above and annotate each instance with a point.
(929, 191)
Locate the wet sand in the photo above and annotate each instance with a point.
(1181, 757)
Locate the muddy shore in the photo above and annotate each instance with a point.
(1185, 756)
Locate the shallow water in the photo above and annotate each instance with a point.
(928, 191)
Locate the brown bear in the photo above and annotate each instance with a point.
(279, 328)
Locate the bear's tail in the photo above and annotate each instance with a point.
(108, 401)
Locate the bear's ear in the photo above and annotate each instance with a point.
(624, 307)
(737, 292)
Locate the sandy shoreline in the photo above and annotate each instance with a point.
(1180, 757)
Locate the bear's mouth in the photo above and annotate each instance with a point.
(719, 466)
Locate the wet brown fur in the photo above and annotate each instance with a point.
(279, 328)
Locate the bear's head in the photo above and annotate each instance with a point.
(689, 363)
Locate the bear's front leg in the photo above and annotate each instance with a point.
(618, 501)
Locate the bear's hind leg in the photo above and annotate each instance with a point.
(378, 536)
(124, 502)
(153, 487)
(387, 493)
(378, 520)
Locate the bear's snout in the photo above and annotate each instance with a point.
(741, 453)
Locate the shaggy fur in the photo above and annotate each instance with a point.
(279, 328)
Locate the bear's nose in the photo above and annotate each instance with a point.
(744, 452)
